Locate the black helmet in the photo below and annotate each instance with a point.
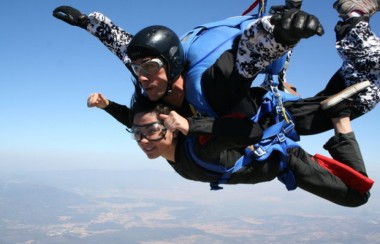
(160, 41)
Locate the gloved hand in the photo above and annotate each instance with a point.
(293, 4)
(71, 16)
(292, 25)
(289, 4)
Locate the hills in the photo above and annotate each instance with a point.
(159, 207)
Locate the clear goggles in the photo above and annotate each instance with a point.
(152, 132)
(149, 67)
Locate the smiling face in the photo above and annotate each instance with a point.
(153, 149)
(151, 76)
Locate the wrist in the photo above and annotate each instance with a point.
(83, 21)
(108, 104)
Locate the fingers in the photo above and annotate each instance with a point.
(320, 30)
(92, 100)
(175, 122)
(276, 19)
(305, 24)
(169, 121)
(101, 97)
(65, 10)
(97, 100)
(58, 10)
(70, 15)
(300, 21)
(163, 116)
(300, 24)
(61, 12)
(64, 17)
(293, 4)
(60, 15)
(314, 26)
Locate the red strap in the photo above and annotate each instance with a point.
(250, 8)
(348, 175)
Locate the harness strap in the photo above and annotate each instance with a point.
(274, 140)
(254, 4)
(278, 137)
(203, 46)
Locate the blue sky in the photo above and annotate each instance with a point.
(48, 68)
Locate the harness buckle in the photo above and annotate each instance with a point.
(275, 89)
(281, 137)
(288, 127)
(259, 151)
(279, 109)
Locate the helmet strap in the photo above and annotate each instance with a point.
(169, 88)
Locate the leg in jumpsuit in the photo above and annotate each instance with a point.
(312, 177)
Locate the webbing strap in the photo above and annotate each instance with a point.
(275, 140)
(262, 3)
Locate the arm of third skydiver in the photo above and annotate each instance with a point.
(100, 26)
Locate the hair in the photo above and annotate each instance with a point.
(141, 104)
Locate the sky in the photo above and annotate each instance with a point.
(48, 68)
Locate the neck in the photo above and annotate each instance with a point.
(177, 95)
(170, 153)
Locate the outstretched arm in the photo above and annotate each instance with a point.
(120, 112)
(270, 37)
(112, 36)
(100, 26)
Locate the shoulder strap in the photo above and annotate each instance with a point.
(208, 38)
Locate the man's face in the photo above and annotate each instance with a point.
(153, 140)
(151, 75)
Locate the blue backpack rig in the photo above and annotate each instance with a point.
(203, 46)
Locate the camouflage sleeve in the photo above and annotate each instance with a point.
(112, 36)
(257, 48)
(360, 51)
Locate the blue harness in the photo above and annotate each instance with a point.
(202, 47)
(278, 137)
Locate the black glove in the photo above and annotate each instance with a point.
(293, 25)
(71, 16)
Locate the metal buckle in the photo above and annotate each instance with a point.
(281, 137)
(289, 127)
(279, 109)
(259, 151)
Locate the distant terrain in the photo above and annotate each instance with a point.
(159, 207)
